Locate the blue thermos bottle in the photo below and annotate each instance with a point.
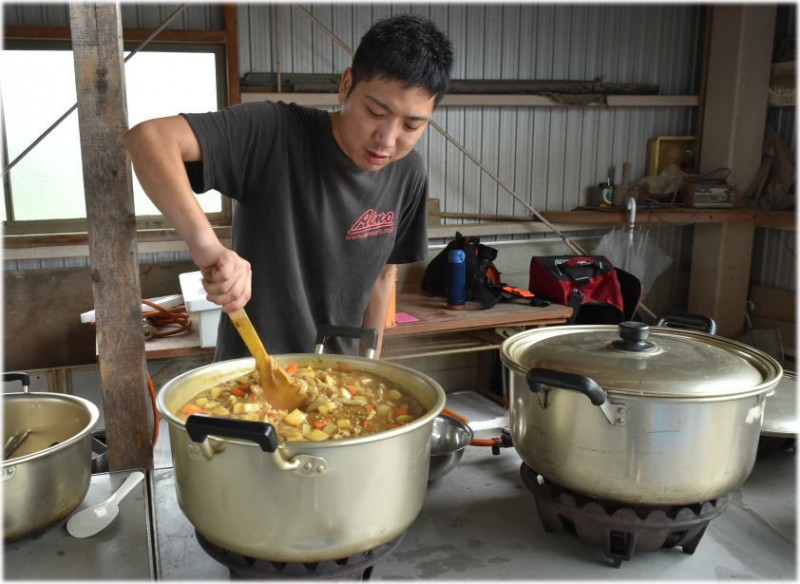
(456, 279)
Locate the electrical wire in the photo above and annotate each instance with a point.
(156, 418)
(167, 321)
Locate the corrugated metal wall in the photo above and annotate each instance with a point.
(551, 157)
(196, 16)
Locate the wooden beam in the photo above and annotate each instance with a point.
(735, 106)
(720, 274)
(732, 134)
(62, 33)
(102, 118)
(232, 53)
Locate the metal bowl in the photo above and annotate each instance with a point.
(449, 439)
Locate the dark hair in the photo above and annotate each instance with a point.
(406, 48)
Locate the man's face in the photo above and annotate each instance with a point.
(380, 121)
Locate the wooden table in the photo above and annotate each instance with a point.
(441, 331)
(435, 317)
(437, 330)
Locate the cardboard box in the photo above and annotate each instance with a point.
(666, 150)
(208, 313)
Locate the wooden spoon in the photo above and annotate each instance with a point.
(279, 391)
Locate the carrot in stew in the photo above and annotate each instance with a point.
(400, 411)
(321, 423)
(345, 367)
(238, 391)
(190, 409)
(291, 368)
(353, 389)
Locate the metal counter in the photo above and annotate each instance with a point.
(122, 551)
(480, 523)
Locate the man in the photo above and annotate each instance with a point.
(326, 204)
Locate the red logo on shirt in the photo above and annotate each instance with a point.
(371, 223)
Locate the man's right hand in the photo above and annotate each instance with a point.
(227, 276)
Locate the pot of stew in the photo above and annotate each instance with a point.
(344, 474)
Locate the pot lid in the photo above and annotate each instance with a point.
(780, 413)
(635, 359)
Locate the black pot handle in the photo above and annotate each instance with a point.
(538, 377)
(18, 376)
(326, 331)
(199, 427)
(686, 320)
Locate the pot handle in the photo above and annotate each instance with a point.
(367, 335)
(199, 427)
(686, 320)
(18, 376)
(538, 377)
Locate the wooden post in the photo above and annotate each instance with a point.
(232, 52)
(734, 116)
(720, 274)
(102, 116)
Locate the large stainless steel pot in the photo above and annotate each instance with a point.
(669, 419)
(49, 475)
(298, 501)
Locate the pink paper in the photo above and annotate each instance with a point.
(404, 317)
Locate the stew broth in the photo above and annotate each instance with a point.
(340, 403)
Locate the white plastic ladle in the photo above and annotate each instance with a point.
(94, 519)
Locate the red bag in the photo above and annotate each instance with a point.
(578, 280)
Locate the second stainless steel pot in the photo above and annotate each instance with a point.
(669, 419)
(49, 474)
(299, 501)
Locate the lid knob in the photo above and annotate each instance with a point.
(633, 337)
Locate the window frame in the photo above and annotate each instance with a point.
(222, 44)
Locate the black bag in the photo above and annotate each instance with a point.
(483, 277)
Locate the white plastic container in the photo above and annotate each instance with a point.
(208, 313)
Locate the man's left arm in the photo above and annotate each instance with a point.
(375, 314)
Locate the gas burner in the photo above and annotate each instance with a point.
(356, 567)
(619, 528)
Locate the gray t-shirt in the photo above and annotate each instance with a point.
(316, 229)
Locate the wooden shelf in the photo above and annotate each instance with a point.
(587, 220)
(486, 100)
(434, 316)
(437, 331)
(676, 216)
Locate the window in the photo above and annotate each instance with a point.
(37, 86)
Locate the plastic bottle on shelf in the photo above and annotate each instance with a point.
(456, 279)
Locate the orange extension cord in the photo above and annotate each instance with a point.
(495, 443)
(167, 322)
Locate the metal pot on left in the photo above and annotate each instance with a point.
(48, 475)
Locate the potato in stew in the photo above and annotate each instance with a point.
(340, 403)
